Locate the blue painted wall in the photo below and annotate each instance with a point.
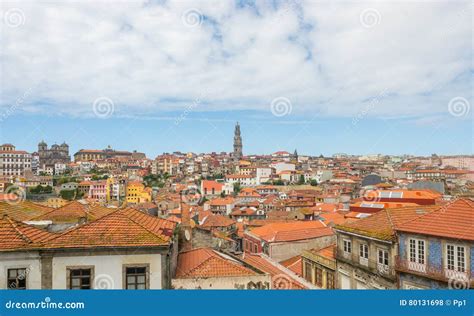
(472, 261)
(435, 253)
(401, 246)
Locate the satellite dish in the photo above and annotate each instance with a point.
(187, 234)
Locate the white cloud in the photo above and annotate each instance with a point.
(317, 54)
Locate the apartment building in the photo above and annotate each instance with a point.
(14, 162)
(436, 251)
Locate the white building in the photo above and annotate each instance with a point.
(137, 254)
(13, 162)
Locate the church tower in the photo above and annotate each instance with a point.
(237, 143)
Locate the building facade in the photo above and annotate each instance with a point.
(13, 162)
(57, 154)
(237, 144)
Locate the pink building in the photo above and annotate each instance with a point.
(98, 190)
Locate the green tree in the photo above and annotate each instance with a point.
(237, 188)
(301, 180)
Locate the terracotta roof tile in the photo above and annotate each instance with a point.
(454, 220)
(122, 228)
(16, 235)
(74, 210)
(205, 262)
(295, 264)
(291, 231)
(278, 273)
(23, 211)
(216, 221)
(382, 224)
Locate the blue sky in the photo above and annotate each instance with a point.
(159, 76)
(207, 133)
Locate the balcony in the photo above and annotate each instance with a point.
(433, 272)
(369, 265)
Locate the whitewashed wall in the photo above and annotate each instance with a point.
(107, 269)
(26, 260)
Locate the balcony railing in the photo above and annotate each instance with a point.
(369, 265)
(433, 272)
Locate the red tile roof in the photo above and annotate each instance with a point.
(454, 220)
(213, 221)
(243, 211)
(15, 235)
(382, 224)
(209, 185)
(281, 279)
(122, 228)
(205, 263)
(75, 210)
(328, 252)
(295, 264)
(291, 231)
(23, 211)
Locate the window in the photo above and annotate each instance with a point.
(347, 246)
(383, 257)
(382, 261)
(80, 279)
(417, 251)
(308, 273)
(364, 251)
(456, 258)
(136, 278)
(319, 277)
(16, 279)
(330, 280)
(416, 255)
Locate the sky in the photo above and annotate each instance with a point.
(322, 77)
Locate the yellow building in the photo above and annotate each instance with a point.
(55, 202)
(137, 193)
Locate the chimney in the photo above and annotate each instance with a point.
(82, 220)
(185, 231)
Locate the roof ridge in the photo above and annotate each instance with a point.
(440, 207)
(139, 224)
(200, 264)
(68, 231)
(19, 232)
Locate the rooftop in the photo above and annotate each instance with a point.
(291, 231)
(454, 220)
(206, 262)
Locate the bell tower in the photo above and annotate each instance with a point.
(237, 143)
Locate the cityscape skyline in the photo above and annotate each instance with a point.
(325, 137)
(296, 74)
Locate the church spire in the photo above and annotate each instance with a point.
(237, 143)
